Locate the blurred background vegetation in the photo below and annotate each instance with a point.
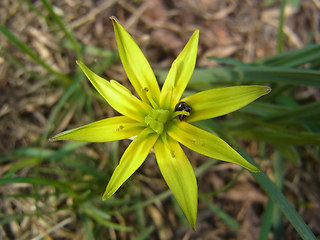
(53, 190)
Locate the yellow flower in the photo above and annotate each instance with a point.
(160, 120)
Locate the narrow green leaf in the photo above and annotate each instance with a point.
(7, 218)
(24, 48)
(309, 111)
(277, 134)
(222, 189)
(280, 37)
(257, 74)
(286, 208)
(55, 112)
(88, 225)
(230, 221)
(266, 221)
(17, 64)
(274, 112)
(273, 116)
(89, 209)
(203, 79)
(21, 164)
(39, 180)
(34, 8)
(45, 153)
(68, 32)
(109, 224)
(273, 192)
(144, 234)
(293, 58)
(84, 168)
(227, 61)
(277, 224)
(290, 153)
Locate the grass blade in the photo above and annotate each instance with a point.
(255, 74)
(275, 134)
(271, 189)
(62, 26)
(39, 180)
(24, 48)
(32, 7)
(286, 208)
(280, 42)
(293, 58)
(203, 79)
(273, 112)
(145, 233)
(232, 223)
(266, 221)
(58, 107)
(107, 223)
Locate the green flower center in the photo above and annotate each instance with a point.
(156, 119)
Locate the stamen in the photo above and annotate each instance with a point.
(177, 113)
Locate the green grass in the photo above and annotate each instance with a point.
(71, 174)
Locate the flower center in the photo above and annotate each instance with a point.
(156, 119)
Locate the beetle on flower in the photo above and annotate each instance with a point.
(161, 119)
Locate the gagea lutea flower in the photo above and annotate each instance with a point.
(162, 120)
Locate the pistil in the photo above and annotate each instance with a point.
(156, 119)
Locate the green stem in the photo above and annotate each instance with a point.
(280, 27)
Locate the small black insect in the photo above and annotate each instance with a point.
(183, 106)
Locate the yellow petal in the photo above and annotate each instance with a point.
(131, 160)
(179, 74)
(136, 65)
(219, 101)
(119, 97)
(106, 130)
(207, 144)
(179, 175)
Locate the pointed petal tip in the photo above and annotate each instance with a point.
(105, 196)
(196, 34)
(247, 165)
(250, 167)
(268, 89)
(54, 138)
(193, 227)
(107, 193)
(265, 90)
(255, 170)
(113, 19)
(193, 223)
